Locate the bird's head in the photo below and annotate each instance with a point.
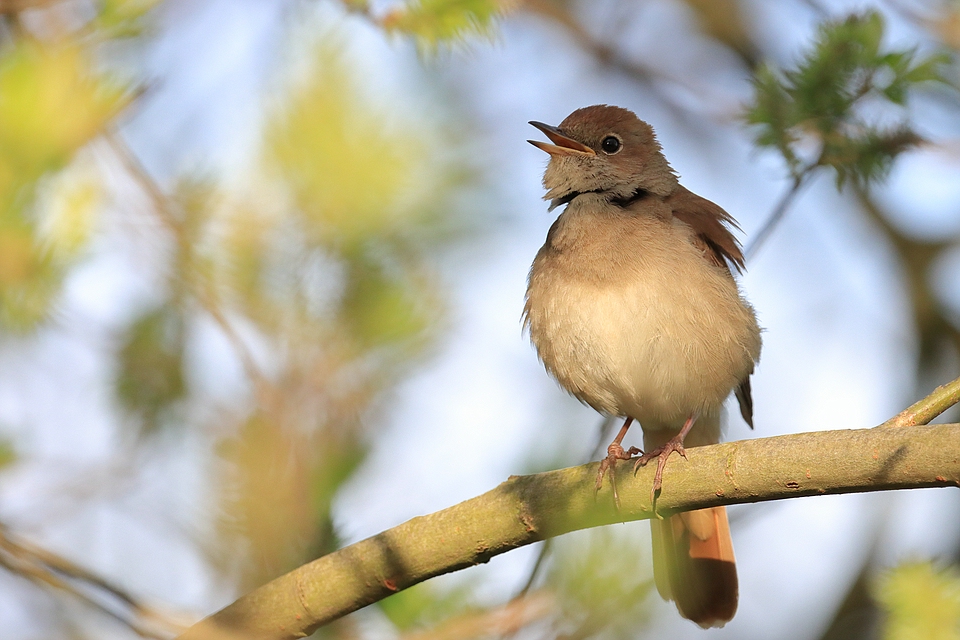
(605, 150)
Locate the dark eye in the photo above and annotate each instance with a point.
(610, 144)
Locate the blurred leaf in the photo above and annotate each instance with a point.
(36, 249)
(8, 453)
(247, 245)
(602, 579)
(123, 18)
(194, 202)
(69, 207)
(867, 157)
(269, 502)
(380, 308)
(336, 459)
(327, 262)
(921, 602)
(150, 376)
(928, 70)
(820, 98)
(51, 103)
(773, 108)
(284, 482)
(349, 174)
(366, 190)
(434, 22)
(29, 277)
(425, 605)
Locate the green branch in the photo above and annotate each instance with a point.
(526, 509)
(922, 412)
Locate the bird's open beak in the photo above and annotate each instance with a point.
(563, 146)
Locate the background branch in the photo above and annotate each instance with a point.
(525, 509)
(779, 211)
(49, 570)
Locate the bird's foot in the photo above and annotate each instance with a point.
(661, 453)
(608, 465)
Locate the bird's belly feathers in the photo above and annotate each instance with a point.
(656, 347)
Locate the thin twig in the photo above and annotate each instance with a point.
(922, 412)
(817, 8)
(535, 571)
(50, 570)
(547, 545)
(601, 50)
(164, 208)
(16, 6)
(779, 211)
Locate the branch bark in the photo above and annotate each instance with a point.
(923, 411)
(526, 509)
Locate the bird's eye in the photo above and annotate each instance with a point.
(611, 144)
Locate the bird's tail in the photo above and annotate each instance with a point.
(693, 565)
(693, 562)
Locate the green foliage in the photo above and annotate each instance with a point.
(336, 459)
(8, 453)
(150, 376)
(327, 261)
(381, 308)
(30, 277)
(123, 18)
(283, 479)
(51, 104)
(365, 198)
(822, 99)
(921, 602)
(602, 580)
(434, 22)
(425, 605)
(347, 172)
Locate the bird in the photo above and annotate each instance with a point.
(633, 307)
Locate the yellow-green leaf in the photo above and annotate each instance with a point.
(434, 22)
(51, 103)
(921, 602)
(69, 209)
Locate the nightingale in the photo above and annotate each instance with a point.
(632, 306)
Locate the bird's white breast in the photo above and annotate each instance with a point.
(637, 322)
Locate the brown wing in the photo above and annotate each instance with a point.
(711, 224)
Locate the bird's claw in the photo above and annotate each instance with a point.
(614, 452)
(661, 453)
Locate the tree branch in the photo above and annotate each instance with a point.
(165, 208)
(49, 570)
(800, 179)
(922, 412)
(526, 509)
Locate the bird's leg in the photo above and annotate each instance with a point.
(663, 452)
(615, 452)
